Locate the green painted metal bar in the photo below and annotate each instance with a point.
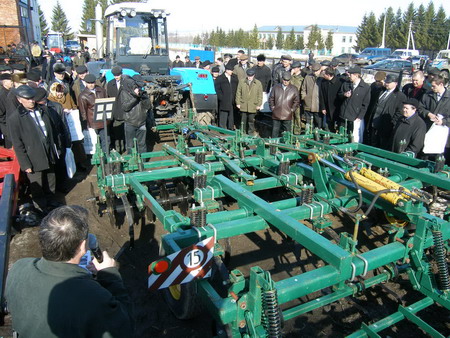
(401, 158)
(157, 209)
(159, 164)
(184, 238)
(393, 318)
(419, 322)
(152, 154)
(185, 159)
(146, 176)
(314, 242)
(221, 130)
(332, 297)
(318, 279)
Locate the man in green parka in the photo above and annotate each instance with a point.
(53, 296)
(297, 81)
(249, 100)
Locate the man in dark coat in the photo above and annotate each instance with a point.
(136, 105)
(53, 296)
(226, 86)
(417, 89)
(435, 109)
(356, 97)
(329, 101)
(386, 113)
(409, 132)
(197, 62)
(112, 90)
(47, 67)
(188, 62)
(6, 85)
(284, 99)
(263, 73)
(32, 134)
(375, 90)
(177, 63)
(278, 70)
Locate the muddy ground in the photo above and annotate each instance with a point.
(267, 249)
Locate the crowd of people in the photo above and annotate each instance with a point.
(34, 104)
(34, 107)
(382, 114)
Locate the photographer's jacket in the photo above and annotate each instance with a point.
(57, 299)
(135, 107)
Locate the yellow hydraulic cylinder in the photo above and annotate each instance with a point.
(373, 187)
(385, 182)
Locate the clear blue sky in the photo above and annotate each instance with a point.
(198, 16)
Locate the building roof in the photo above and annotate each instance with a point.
(286, 29)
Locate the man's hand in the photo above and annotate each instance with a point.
(348, 94)
(238, 106)
(29, 171)
(324, 112)
(438, 121)
(136, 91)
(108, 262)
(258, 107)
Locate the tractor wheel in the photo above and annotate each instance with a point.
(182, 300)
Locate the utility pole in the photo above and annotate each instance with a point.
(99, 30)
(409, 34)
(448, 41)
(384, 32)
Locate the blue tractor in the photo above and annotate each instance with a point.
(137, 40)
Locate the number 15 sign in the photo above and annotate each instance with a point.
(183, 266)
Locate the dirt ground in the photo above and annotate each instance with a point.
(267, 249)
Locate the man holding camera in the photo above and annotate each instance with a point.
(53, 296)
(136, 104)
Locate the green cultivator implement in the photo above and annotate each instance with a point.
(187, 187)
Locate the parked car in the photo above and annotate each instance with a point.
(371, 55)
(345, 59)
(442, 61)
(390, 66)
(71, 46)
(405, 53)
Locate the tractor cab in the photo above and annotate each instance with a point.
(137, 38)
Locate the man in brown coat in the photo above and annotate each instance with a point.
(86, 105)
(283, 102)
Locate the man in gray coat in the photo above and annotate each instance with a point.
(53, 296)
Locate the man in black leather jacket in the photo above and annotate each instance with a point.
(136, 105)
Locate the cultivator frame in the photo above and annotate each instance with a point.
(324, 173)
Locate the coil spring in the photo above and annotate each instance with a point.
(439, 256)
(307, 194)
(200, 157)
(200, 181)
(198, 217)
(272, 149)
(272, 313)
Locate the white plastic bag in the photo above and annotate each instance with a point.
(70, 163)
(435, 139)
(90, 141)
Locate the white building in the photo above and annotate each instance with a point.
(344, 37)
